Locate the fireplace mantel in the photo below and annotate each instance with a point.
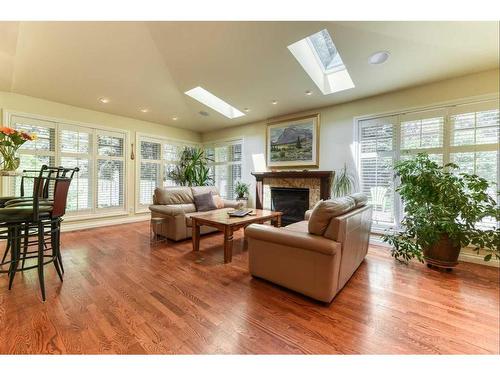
(325, 178)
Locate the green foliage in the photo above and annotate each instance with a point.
(241, 189)
(439, 201)
(192, 169)
(343, 183)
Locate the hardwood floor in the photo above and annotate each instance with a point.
(121, 296)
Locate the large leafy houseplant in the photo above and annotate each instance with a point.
(192, 169)
(442, 206)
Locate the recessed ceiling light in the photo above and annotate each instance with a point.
(274, 102)
(214, 102)
(104, 100)
(309, 93)
(246, 109)
(175, 118)
(379, 57)
(144, 110)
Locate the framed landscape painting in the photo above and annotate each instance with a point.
(293, 142)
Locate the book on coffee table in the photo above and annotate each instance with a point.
(239, 213)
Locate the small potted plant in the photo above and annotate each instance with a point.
(242, 190)
(344, 183)
(444, 211)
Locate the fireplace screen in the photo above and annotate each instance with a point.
(293, 202)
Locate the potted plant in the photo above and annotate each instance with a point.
(10, 141)
(192, 169)
(443, 213)
(242, 190)
(343, 184)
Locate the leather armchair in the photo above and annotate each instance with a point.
(315, 265)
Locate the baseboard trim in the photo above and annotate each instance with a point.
(76, 225)
(465, 256)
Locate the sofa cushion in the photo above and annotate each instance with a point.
(173, 195)
(204, 189)
(300, 226)
(360, 199)
(173, 210)
(204, 202)
(323, 212)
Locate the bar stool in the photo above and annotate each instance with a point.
(41, 222)
(157, 226)
(43, 193)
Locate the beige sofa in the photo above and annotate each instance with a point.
(176, 205)
(315, 265)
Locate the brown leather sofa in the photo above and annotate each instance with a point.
(176, 206)
(317, 265)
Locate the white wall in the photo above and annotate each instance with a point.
(337, 131)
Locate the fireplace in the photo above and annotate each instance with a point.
(293, 202)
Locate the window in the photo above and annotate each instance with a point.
(156, 159)
(464, 134)
(376, 163)
(110, 170)
(321, 60)
(100, 155)
(226, 166)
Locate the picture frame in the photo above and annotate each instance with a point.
(293, 142)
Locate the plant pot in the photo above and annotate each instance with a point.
(243, 201)
(443, 253)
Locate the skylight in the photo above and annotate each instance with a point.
(321, 60)
(212, 101)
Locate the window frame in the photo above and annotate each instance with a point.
(59, 124)
(225, 143)
(447, 149)
(139, 137)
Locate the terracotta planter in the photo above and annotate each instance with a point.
(443, 253)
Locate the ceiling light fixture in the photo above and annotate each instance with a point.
(274, 102)
(214, 102)
(309, 93)
(175, 118)
(144, 110)
(379, 57)
(104, 100)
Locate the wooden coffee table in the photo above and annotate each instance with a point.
(227, 224)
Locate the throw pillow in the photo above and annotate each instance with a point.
(204, 202)
(219, 202)
(324, 211)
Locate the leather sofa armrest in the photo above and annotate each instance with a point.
(167, 210)
(307, 215)
(291, 238)
(232, 204)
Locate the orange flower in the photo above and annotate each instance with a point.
(7, 131)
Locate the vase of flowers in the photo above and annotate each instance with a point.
(10, 141)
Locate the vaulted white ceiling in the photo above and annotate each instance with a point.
(247, 64)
